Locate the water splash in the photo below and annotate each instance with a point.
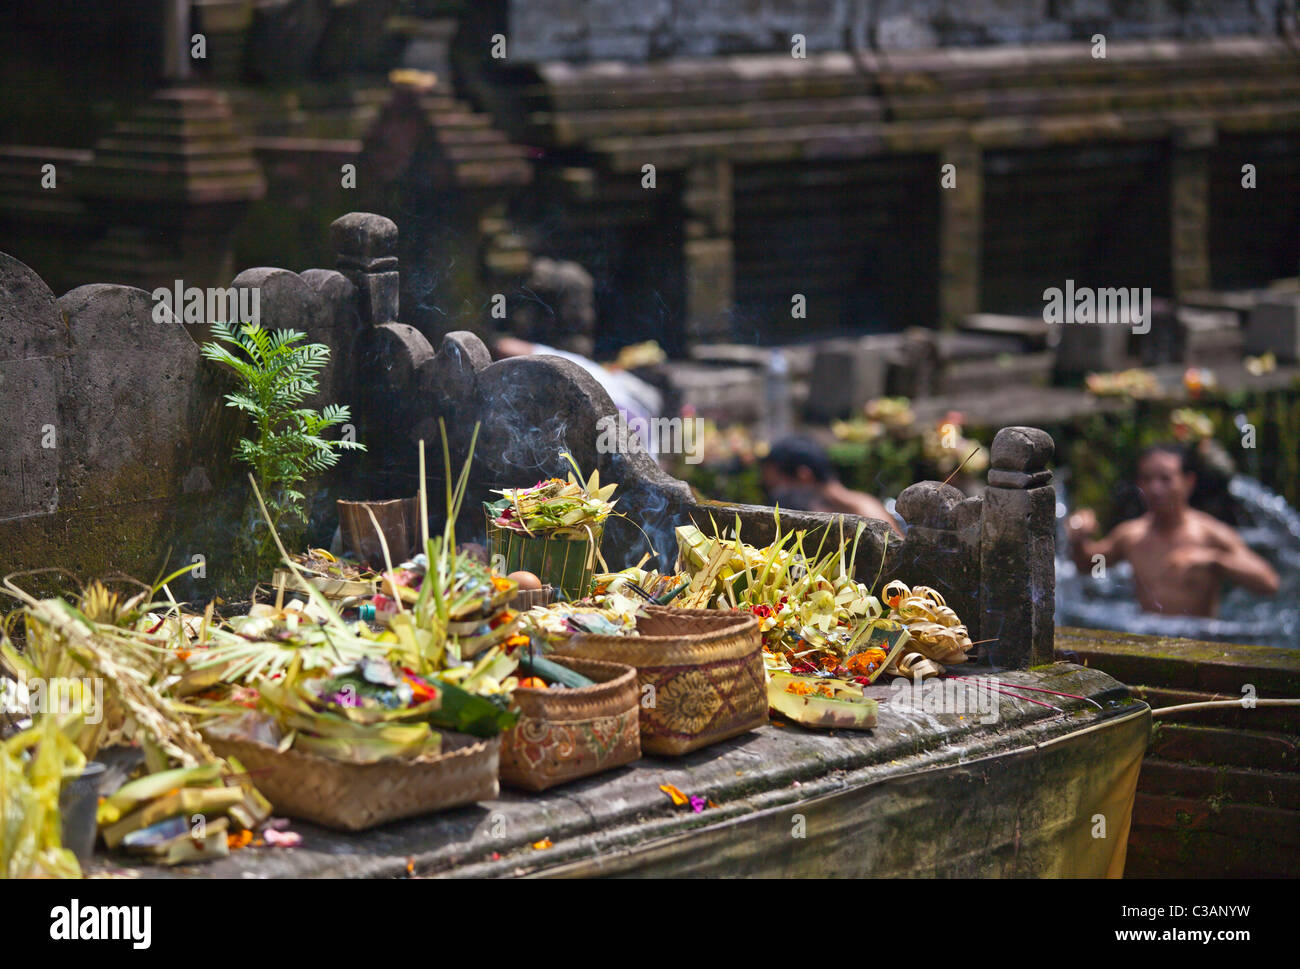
(1272, 529)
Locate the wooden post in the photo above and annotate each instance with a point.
(176, 40)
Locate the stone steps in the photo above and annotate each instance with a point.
(1275, 789)
(1164, 853)
(1223, 746)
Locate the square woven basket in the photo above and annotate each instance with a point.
(353, 797)
(704, 670)
(563, 735)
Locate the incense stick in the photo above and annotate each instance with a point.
(962, 465)
(1035, 689)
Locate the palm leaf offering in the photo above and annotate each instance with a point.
(180, 815)
(935, 630)
(361, 713)
(108, 640)
(608, 615)
(816, 619)
(33, 764)
(554, 504)
(263, 643)
(821, 702)
(812, 611)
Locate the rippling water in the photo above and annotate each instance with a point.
(1272, 530)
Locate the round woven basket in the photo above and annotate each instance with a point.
(703, 669)
(566, 734)
(613, 692)
(352, 797)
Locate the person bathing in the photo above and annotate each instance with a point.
(1181, 557)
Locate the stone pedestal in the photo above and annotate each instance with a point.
(845, 375)
(169, 185)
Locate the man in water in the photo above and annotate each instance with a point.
(798, 473)
(1181, 557)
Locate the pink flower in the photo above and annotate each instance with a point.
(282, 839)
(697, 803)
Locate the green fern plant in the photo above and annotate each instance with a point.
(277, 372)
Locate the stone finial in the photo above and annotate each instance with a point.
(364, 241)
(1022, 449)
(365, 247)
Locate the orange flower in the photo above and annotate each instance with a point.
(240, 839)
(675, 793)
(542, 845)
(798, 687)
(866, 662)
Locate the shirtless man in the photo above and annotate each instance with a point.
(798, 473)
(1181, 557)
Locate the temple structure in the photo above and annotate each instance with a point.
(706, 163)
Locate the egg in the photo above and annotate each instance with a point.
(526, 580)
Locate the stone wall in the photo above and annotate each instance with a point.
(613, 29)
(117, 456)
(118, 459)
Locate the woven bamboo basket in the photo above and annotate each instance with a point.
(562, 557)
(330, 588)
(353, 797)
(705, 669)
(566, 734)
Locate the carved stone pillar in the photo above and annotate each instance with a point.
(960, 214)
(1190, 208)
(710, 261)
(1018, 550)
(366, 249)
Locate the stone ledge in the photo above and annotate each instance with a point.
(625, 808)
(1167, 662)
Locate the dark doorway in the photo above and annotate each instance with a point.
(1254, 232)
(1098, 214)
(859, 240)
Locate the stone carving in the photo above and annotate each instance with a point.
(1017, 549)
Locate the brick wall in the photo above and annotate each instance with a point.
(1219, 792)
